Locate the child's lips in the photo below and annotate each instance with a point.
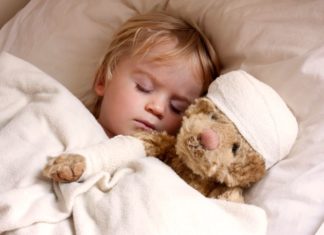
(145, 125)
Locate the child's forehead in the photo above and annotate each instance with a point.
(169, 53)
(156, 47)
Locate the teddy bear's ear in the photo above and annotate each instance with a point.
(200, 105)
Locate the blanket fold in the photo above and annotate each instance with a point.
(136, 195)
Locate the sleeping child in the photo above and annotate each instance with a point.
(155, 67)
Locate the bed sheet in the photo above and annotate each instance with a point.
(278, 42)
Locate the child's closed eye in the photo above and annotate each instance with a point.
(178, 107)
(144, 89)
(144, 84)
(175, 110)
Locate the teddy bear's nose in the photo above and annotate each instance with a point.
(209, 139)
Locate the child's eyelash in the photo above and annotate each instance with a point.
(175, 110)
(142, 89)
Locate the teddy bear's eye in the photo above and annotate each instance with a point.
(235, 147)
(213, 116)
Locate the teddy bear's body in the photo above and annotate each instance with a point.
(208, 187)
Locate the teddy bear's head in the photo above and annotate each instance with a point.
(211, 146)
(241, 128)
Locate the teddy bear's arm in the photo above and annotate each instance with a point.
(106, 156)
(66, 167)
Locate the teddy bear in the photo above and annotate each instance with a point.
(209, 153)
(227, 141)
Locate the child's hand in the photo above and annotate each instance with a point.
(65, 168)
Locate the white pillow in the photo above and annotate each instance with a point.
(279, 42)
(67, 39)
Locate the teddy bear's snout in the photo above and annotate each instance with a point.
(209, 139)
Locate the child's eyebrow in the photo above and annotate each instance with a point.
(143, 71)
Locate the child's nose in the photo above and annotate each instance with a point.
(156, 108)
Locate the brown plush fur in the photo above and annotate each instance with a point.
(65, 168)
(220, 173)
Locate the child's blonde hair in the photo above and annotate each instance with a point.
(142, 32)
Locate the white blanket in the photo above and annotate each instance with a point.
(138, 195)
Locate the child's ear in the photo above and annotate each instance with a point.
(100, 79)
(99, 86)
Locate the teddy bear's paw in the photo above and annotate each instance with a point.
(156, 143)
(233, 195)
(65, 168)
